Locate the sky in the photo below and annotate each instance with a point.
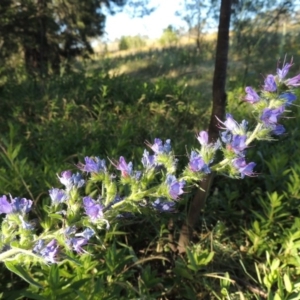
(122, 24)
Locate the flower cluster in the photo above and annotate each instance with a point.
(277, 94)
(77, 240)
(49, 252)
(16, 220)
(268, 107)
(90, 200)
(201, 159)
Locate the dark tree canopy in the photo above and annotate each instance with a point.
(50, 31)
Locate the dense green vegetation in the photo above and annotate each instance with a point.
(247, 241)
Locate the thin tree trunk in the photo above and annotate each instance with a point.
(218, 110)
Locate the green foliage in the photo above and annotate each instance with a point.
(131, 42)
(169, 37)
(49, 33)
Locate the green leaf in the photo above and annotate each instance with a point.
(183, 272)
(54, 277)
(287, 283)
(15, 152)
(13, 295)
(277, 297)
(275, 264)
(192, 261)
(17, 269)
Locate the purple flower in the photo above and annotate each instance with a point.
(163, 206)
(17, 205)
(21, 205)
(270, 84)
(226, 137)
(126, 169)
(159, 148)
(203, 138)
(295, 81)
(197, 164)
(238, 143)
(232, 126)
(50, 252)
(271, 116)
(252, 96)
(77, 180)
(230, 123)
(137, 175)
(57, 196)
(278, 129)
(65, 178)
(87, 233)
(77, 243)
(69, 180)
(148, 161)
(289, 97)
(244, 168)
(175, 187)
(92, 165)
(283, 72)
(93, 209)
(5, 206)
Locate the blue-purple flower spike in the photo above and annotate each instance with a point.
(294, 82)
(50, 252)
(65, 178)
(148, 160)
(271, 116)
(163, 206)
(203, 138)
(281, 73)
(92, 165)
(159, 148)
(93, 209)
(21, 205)
(126, 169)
(5, 206)
(77, 244)
(289, 97)
(270, 84)
(243, 168)
(230, 123)
(197, 163)
(17, 205)
(175, 187)
(87, 233)
(58, 196)
(77, 180)
(252, 96)
(238, 144)
(277, 129)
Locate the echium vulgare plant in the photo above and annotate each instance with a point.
(75, 219)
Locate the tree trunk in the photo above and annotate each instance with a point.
(218, 110)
